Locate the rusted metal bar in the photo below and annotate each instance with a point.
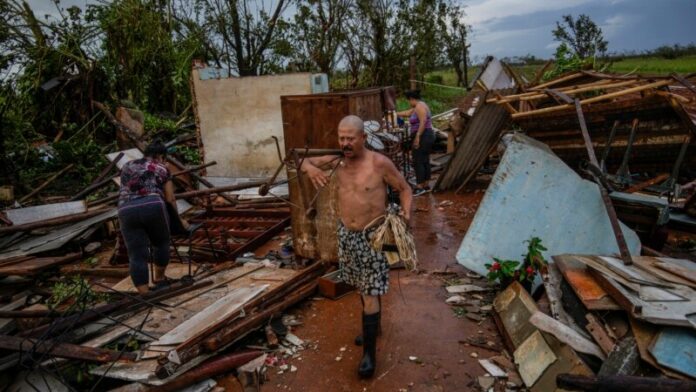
(63, 350)
(46, 183)
(52, 222)
(615, 226)
(263, 189)
(677, 164)
(92, 188)
(194, 169)
(180, 139)
(212, 368)
(261, 239)
(607, 147)
(573, 382)
(200, 179)
(219, 190)
(623, 169)
(642, 185)
(108, 168)
(103, 200)
(315, 152)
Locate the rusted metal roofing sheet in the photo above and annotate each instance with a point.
(480, 136)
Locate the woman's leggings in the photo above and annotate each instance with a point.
(144, 222)
(421, 156)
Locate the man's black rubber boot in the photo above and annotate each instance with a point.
(369, 359)
(359, 339)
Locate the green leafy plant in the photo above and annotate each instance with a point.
(75, 289)
(502, 270)
(506, 271)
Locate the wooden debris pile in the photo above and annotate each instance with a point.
(599, 322)
(642, 127)
(66, 297)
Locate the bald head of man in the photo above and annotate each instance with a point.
(352, 136)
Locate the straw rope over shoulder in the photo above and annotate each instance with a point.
(393, 231)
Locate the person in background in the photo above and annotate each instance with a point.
(146, 185)
(423, 136)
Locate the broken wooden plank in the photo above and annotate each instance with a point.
(492, 369)
(599, 333)
(565, 334)
(63, 350)
(688, 274)
(592, 295)
(212, 315)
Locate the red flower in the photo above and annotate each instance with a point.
(495, 266)
(530, 270)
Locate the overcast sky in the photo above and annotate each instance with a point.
(518, 27)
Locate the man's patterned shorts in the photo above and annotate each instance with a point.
(361, 266)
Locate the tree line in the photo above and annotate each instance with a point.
(52, 68)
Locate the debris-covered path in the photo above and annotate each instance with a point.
(420, 348)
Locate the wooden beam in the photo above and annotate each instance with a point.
(642, 185)
(219, 365)
(559, 80)
(63, 350)
(573, 382)
(584, 88)
(586, 101)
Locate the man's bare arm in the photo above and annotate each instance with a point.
(311, 166)
(393, 178)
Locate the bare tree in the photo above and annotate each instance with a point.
(244, 31)
(318, 32)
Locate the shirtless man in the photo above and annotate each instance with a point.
(362, 178)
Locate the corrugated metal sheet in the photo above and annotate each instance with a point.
(480, 136)
(533, 193)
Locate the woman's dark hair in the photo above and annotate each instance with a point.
(413, 94)
(155, 148)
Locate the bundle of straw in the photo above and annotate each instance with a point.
(394, 231)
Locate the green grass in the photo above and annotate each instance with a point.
(655, 65)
